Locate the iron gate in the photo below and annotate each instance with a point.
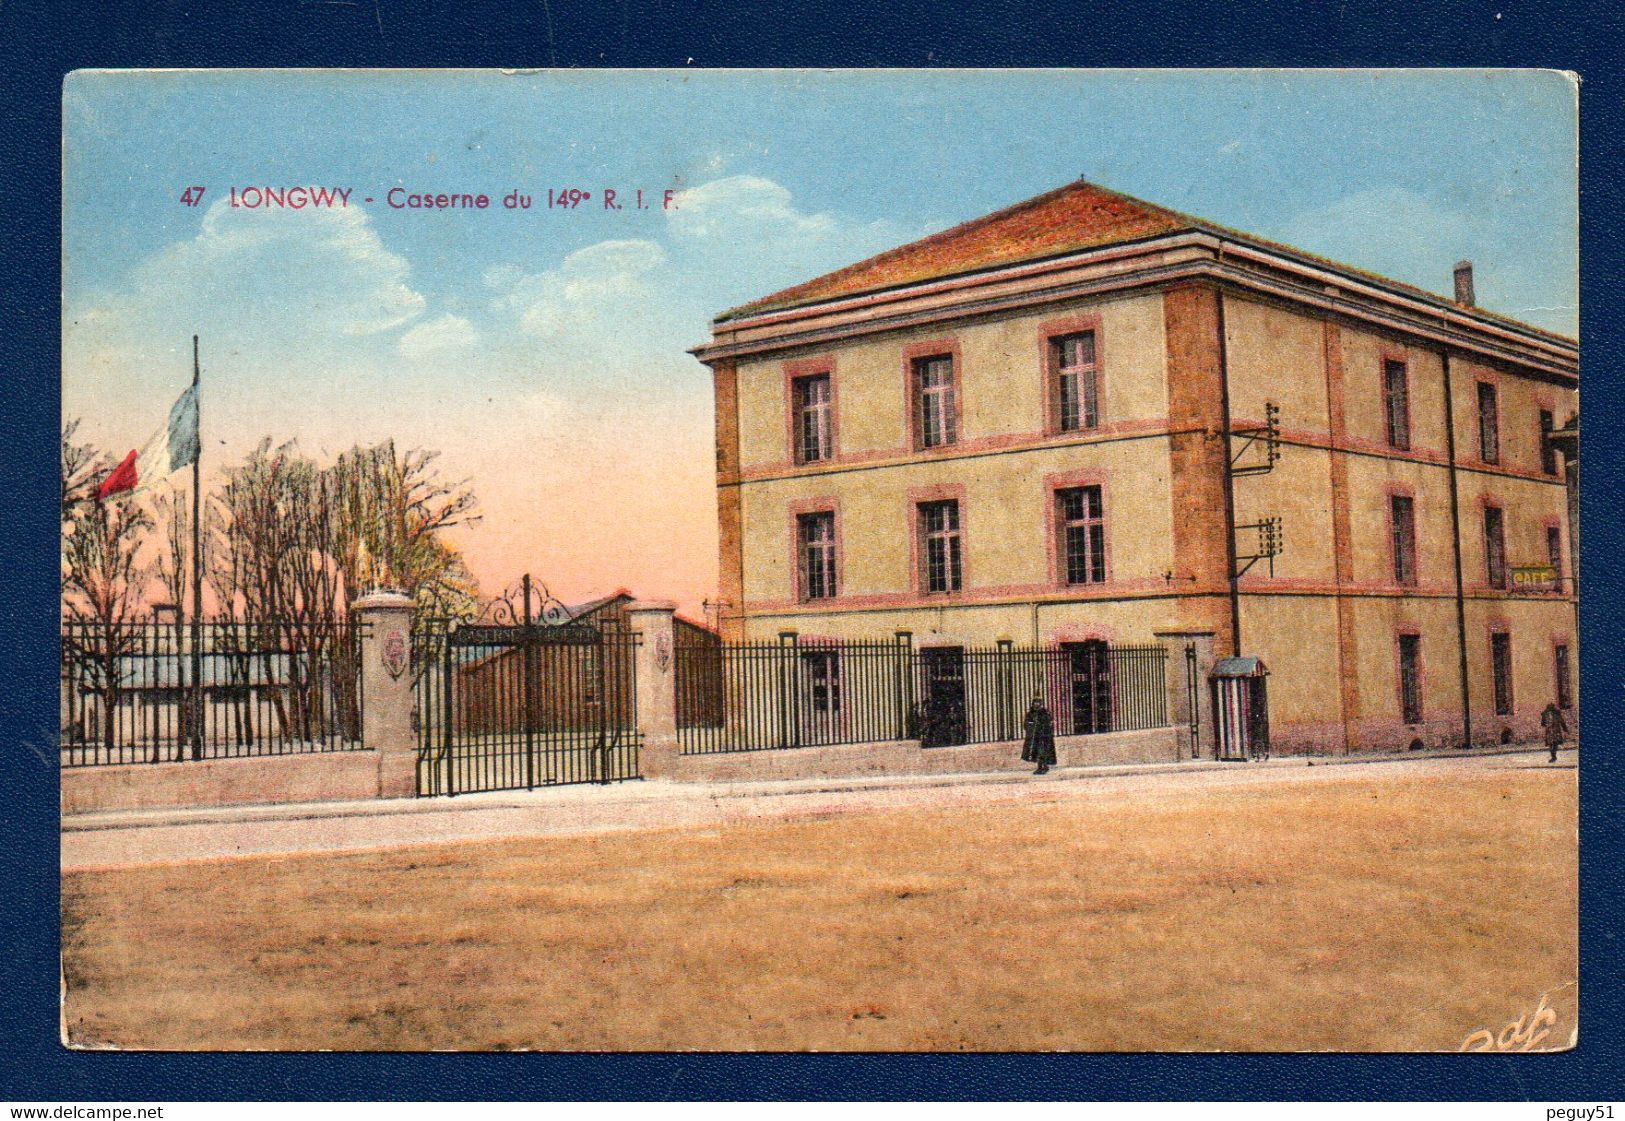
(524, 705)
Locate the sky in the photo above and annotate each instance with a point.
(542, 351)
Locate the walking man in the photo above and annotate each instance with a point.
(1551, 719)
(1039, 744)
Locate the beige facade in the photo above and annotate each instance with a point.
(1178, 330)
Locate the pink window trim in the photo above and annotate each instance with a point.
(1481, 377)
(933, 348)
(1548, 524)
(1401, 631)
(822, 644)
(1389, 494)
(806, 368)
(917, 496)
(1048, 332)
(1492, 627)
(815, 506)
(1402, 357)
(1494, 502)
(1564, 641)
(1066, 480)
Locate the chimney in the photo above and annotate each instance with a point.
(1464, 283)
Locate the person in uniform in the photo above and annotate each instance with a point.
(1039, 743)
(1556, 728)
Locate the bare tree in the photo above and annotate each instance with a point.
(294, 543)
(82, 466)
(102, 591)
(394, 510)
(174, 557)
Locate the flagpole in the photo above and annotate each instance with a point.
(197, 565)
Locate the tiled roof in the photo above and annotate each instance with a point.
(1077, 216)
(1069, 219)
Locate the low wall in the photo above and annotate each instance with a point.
(1442, 732)
(906, 757)
(325, 776)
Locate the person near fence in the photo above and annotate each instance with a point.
(1556, 728)
(1039, 743)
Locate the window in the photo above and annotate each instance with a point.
(1489, 424)
(1410, 678)
(1495, 547)
(1565, 686)
(940, 546)
(812, 418)
(1501, 666)
(1402, 519)
(824, 680)
(817, 549)
(1080, 515)
(934, 401)
(1554, 555)
(1396, 400)
(1548, 452)
(1077, 394)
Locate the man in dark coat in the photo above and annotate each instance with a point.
(1556, 728)
(1039, 744)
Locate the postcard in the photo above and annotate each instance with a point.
(1020, 560)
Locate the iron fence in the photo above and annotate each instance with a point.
(788, 694)
(169, 692)
(751, 696)
(516, 707)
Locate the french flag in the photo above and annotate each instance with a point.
(170, 449)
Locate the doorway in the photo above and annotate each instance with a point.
(1090, 695)
(942, 669)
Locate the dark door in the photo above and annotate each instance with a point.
(943, 724)
(1091, 672)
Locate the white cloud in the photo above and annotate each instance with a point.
(438, 336)
(278, 298)
(724, 210)
(748, 235)
(273, 273)
(596, 291)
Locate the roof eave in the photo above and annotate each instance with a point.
(1225, 246)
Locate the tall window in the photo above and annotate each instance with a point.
(1501, 667)
(940, 559)
(817, 549)
(1077, 404)
(1402, 515)
(1489, 424)
(1495, 547)
(1410, 678)
(1082, 523)
(1396, 400)
(1548, 453)
(823, 679)
(1554, 555)
(1565, 686)
(934, 401)
(812, 414)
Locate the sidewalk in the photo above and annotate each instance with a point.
(138, 837)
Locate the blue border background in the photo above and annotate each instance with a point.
(39, 43)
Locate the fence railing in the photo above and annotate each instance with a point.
(787, 694)
(165, 693)
(515, 707)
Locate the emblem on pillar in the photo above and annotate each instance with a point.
(395, 653)
(663, 651)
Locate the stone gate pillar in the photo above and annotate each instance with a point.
(656, 660)
(1177, 643)
(386, 689)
